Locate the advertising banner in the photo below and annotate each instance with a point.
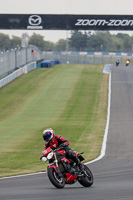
(66, 22)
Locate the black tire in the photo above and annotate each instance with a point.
(55, 180)
(86, 180)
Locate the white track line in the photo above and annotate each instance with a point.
(103, 150)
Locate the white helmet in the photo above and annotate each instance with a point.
(48, 134)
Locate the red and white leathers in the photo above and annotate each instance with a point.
(55, 142)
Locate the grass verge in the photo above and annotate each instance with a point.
(72, 99)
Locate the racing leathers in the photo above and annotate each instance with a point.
(59, 141)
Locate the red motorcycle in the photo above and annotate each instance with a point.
(62, 170)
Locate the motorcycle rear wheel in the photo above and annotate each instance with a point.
(55, 179)
(86, 180)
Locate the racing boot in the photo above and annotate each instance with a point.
(73, 156)
(79, 164)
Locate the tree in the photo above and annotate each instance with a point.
(60, 45)
(104, 41)
(4, 41)
(117, 43)
(37, 40)
(97, 42)
(48, 46)
(15, 41)
(127, 41)
(78, 40)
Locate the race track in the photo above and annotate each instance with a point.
(113, 174)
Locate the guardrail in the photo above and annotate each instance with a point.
(88, 53)
(13, 59)
(88, 57)
(27, 68)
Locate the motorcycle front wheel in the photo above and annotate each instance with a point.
(87, 179)
(57, 181)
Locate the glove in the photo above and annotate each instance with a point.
(62, 145)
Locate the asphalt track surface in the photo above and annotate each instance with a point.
(113, 174)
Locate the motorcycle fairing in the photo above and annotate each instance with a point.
(53, 166)
(47, 151)
(65, 160)
(70, 177)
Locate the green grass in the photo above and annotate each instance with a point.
(71, 99)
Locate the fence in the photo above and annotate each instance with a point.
(87, 57)
(17, 73)
(17, 58)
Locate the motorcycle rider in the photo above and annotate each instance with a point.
(128, 62)
(117, 62)
(54, 141)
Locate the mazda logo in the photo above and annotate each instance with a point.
(35, 20)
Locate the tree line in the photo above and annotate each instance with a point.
(102, 41)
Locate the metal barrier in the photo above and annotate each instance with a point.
(17, 73)
(17, 58)
(87, 57)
